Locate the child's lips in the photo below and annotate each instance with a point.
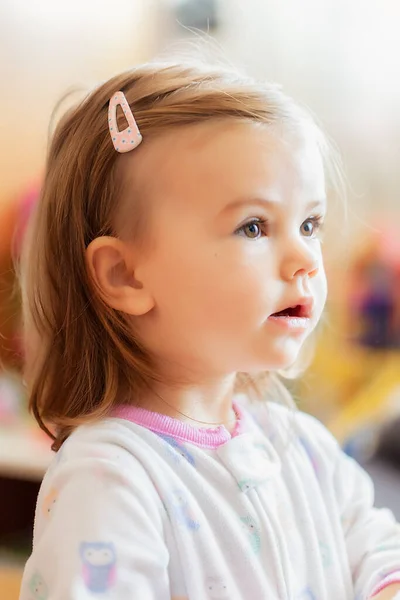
(295, 316)
(300, 308)
(291, 323)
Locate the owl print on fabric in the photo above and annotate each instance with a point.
(177, 450)
(259, 465)
(49, 502)
(311, 455)
(182, 511)
(326, 555)
(38, 588)
(99, 566)
(248, 484)
(217, 588)
(253, 532)
(306, 594)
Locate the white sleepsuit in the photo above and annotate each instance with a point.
(144, 507)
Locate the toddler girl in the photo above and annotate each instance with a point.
(175, 256)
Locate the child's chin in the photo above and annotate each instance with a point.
(279, 361)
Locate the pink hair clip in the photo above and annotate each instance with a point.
(129, 138)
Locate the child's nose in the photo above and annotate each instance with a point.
(299, 260)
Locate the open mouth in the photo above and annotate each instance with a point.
(300, 311)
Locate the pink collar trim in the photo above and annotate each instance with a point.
(162, 424)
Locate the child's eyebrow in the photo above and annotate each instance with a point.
(320, 203)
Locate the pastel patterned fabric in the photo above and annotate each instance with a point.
(141, 506)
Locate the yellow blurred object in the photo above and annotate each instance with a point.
(338, 372)
(348, 386)
(372, 403)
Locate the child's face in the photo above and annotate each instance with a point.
(216, 283)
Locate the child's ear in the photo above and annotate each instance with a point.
(111, 265)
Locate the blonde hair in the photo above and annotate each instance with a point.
(80, 353)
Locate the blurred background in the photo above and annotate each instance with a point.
(339, 58)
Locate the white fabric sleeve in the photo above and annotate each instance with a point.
(372, 535)
(98, 531)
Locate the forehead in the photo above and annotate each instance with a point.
(205, 166)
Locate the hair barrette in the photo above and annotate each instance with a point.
(129, 138)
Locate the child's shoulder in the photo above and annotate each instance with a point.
(289, 427)
(109, 440)
(99, 465)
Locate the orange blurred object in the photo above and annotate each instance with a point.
(8, 218)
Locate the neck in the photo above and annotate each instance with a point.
(202, 403)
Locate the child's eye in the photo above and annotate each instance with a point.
(311, 226)
(253, 229)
